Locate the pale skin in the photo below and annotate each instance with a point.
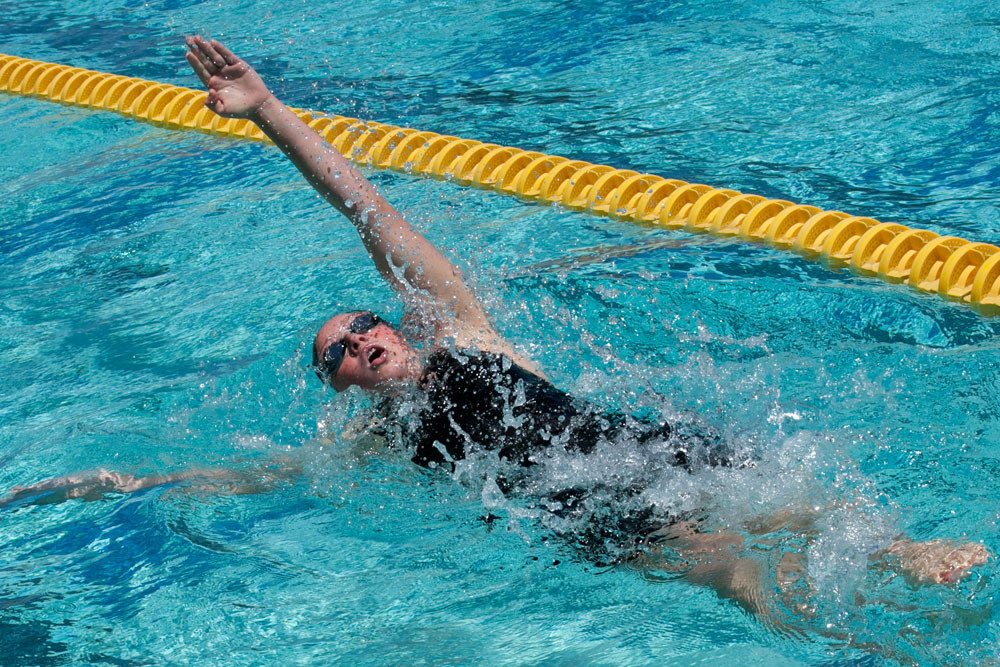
(381, 359)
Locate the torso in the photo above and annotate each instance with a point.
(484, 400)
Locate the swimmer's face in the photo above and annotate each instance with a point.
(372, 359)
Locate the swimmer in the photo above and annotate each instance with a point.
(469, 373)
(477, 393)
(478, 389)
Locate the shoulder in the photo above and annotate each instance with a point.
(461, 336)
(472, 366)
(453, 362)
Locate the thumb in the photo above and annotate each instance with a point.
(213, 101)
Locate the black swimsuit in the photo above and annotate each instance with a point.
(485, 401)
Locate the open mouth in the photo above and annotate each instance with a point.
(375, 355)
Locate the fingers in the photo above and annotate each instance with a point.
(208, 49)
(228, 56)
(198, 67)
(205, 53)
(214, 102)
(204, 60)
(196, 54)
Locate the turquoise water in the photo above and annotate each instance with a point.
(161, 289)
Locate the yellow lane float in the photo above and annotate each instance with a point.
(949, 266)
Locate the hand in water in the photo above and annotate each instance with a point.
(235, 90)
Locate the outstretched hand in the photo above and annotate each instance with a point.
(235, 90)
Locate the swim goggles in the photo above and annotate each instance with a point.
(334, 355)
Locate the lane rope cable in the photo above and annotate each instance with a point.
(946, 265)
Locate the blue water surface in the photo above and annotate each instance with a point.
(161, 290)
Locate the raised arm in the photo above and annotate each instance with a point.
(399, 251)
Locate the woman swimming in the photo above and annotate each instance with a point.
(480, 388)
(477, 391)
(473, 392)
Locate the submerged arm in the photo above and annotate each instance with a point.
(95, 485)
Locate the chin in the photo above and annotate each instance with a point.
(393, 375)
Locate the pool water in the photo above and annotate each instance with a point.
(161, 290)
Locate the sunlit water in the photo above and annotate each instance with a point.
(161, 289)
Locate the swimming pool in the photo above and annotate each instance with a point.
(161, 290)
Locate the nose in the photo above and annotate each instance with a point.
(355, 341)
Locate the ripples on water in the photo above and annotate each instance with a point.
(161, 289)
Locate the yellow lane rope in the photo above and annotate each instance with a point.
(947, 265)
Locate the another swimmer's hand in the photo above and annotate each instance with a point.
(235, 90)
